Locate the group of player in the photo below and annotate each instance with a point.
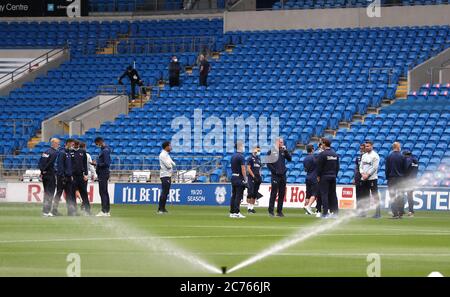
(67, 170)
(322, 168)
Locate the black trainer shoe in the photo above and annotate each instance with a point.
(280, 215)
(271, 214)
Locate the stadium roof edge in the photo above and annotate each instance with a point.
(117, 17)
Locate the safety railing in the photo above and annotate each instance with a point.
(150, 92)
(142, 6)
(154, 45)
(122, 167)
(96, 107)
(30, 66)
(20, 126)
(111, 90)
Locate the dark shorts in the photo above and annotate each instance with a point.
(312, 189)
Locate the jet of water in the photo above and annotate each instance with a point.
(154, 243)
(299, 236)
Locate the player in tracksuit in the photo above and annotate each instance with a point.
(47, 168)
(238, 181)
(277, 165)
(370, 162)
(318, 199)
(102, 165)
(80, 176)
(254, 179)
(312, 186)
(64, 179)
(327, 171)
(395, 167)
(357, 175)
(412, 168)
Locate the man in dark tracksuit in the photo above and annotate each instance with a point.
(174, 72)
(310, 166)
(277, 166)
(357, 176)
(395, 166)
(64, 178)
(254, 179)
(47, 168)
(238, 181)
(102, 164)
(133, 77)
(327, 171)
(412, 169)
(80, 175)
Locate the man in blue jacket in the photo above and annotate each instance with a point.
(276, 162)
(395, 167)
(47, 168)
(327, 171)
(412, 169)
(64, 179)
(103, 164)
(312, 186)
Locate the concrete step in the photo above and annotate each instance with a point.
(373, 110)
(344, 125)
(300, 146)
(216, 55)
(358, 117)
(330, 131)
(314, 139)
(229, 48)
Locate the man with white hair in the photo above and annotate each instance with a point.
(47, 168)
(395, 167)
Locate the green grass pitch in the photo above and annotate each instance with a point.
(136, 241)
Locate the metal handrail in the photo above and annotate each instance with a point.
(23, 121)
(157, 5)
(119, 167)
(28, 66)
(74, 118)
(111, 90)
(155, 44)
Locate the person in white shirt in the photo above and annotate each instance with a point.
(167, 165)
(369, 179)
(91, 168)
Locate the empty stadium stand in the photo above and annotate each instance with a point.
(23, 110)
(313, 80)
